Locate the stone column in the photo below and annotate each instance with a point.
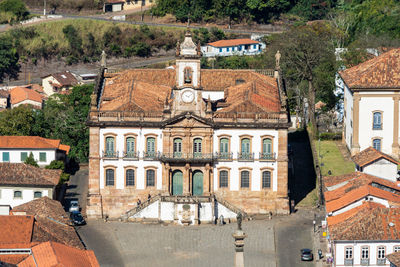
(355, 148)
(282, 160)
(206, 180)
(186, 182)
(395, 145)
(165, 177)
(239, 237)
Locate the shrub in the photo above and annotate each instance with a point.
(64, 177)
(31, 160)
(330, 136)
(56, 165)
(16, 7)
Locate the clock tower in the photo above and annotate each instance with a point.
(187, 93)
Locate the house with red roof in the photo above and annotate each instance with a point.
(224, 48)
(15, 149)
(60, 82)
(25, 96)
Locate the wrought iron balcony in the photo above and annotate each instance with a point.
(381, 262)
(186, 157)
(110, 154)
(364, 262)
(224, 156)
(151, 155)
(246, 156)
(131, 155)
(348, 262)
(267, 156)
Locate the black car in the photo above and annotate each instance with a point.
(306, 254)
(77, 218)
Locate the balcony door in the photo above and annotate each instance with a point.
(197, 147)
(177, 183)
(177, 148)
(197, 183)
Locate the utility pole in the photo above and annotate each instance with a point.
(44, 8)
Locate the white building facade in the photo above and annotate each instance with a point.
(225, 48)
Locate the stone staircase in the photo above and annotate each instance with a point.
(140, 207)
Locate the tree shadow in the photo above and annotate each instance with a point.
(72, 166)
(302, 177)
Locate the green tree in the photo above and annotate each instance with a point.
(56, 165)
(17, 121)
(31, 160)
(9, 57)
(15, 7)
(74, 40)
(264, 10)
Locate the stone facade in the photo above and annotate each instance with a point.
(173, 135)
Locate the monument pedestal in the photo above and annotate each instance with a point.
(239, 237)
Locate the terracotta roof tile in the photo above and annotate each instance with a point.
(233, 42)
(4, 93)
(55, 254)
(380, 72)
(19, 94)
(44, 207)
(394, 258)
(31, 142)
(347, 214)
(64, 78)
(24, 174)
(370, 155)
(16, 229)
(13, 259)
(369, 223)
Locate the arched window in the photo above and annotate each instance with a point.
(151, 146)
(187, 75)
(110, 177)
(17, 194)
(110, 143)
(377, 124)
(266, 179)
(266, 147)
(244, 179)
(223, 179)
(37, 194)
(197, 147)
(376, 143)
(150, 178)
(130, 177)
(224, 147)
(177, 147)
(245, 149)
(130, 146)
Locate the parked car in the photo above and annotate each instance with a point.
(74, 206)
(77, 218)
(306, 254)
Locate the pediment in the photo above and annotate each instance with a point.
(188, 121)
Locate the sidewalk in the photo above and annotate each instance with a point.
(320, 242)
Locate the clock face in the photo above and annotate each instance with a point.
(187, 96)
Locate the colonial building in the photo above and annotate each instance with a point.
(371, 104)
(223, 48)
(199, 142)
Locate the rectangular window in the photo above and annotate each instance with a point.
(150, 178)
(266, 179)
(220, 50)
(42, 156)
(6, 156)
(377, 121)
(37, 194)
(349, 253)
(365, 253)
(223, 179)
(245, 179)
(381, 252)
(24, 155)
(396, 249)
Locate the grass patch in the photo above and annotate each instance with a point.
(310, 200)
(331, 159)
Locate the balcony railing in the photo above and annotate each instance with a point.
(151, 155)
(364, 262)
(131, 155)
(184, 157)
(245, 156)
(348, 262)
(267, 156)
(381, 262)
(110, 154)
(224, 155)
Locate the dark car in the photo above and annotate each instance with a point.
(306, 254)
(77, 218)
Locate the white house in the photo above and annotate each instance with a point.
(232, 47)
(15, 149)
(376, 163)
(25, 96)
(364, 236)
(371, 104)
(21, 183)
(60, 82)
(192, 139)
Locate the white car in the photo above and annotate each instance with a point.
(74, 206)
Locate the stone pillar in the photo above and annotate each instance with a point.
(282, 160)
(165, 177)
(355, 148)
(239, 237)
(395, 145)
(206, 180)
(94, 201)
(186, 182)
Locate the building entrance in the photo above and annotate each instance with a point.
(197, 183)
(177, 183)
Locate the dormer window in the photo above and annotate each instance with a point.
(187, 75)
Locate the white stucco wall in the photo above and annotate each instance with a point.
(27, 102)
(348, 116)
(383, 169)
(7, 194)
(150, 212)
(214, 95)
(256, 165)
(167, 211)
(357, 245)
(360, 202)
(224, 211)
(15, 155)
(181, 64)
(211, 51)
(47, 87)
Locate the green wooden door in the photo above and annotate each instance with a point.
(197, 183)
(177, 183)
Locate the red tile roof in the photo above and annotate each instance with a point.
(64, 78)
(55, 254)
(31, 142)
(232, 42)
(370, 155)
(19, 94)
(332, 220)
(28, 175)
(368, 223)
(394, 258)
(380, 72)
(16, 229)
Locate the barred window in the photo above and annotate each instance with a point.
(266, 179)
(130, 177)
(130, 144)
(244, 179)
(349, 253)
(150, 178)
(381, 252)
(364, 253)
(109, 177)
(376, 143)
(223, 179)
